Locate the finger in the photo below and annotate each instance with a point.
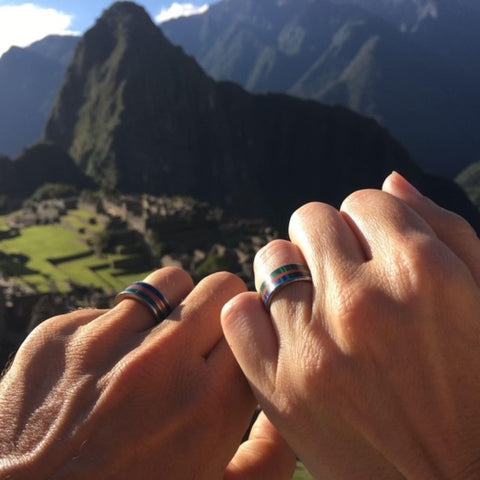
(192, 330)
(236, 403)
(133, 316)
(196, 321)
(452, 229)
(226, 371)
(334, 254)
(250, 334)
(325, 239)
(383, 223)
(264, 455)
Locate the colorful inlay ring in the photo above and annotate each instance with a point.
(280, 278)
(149, 296)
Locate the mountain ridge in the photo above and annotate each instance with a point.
(29, 82)
(137, 114)
(246, 42)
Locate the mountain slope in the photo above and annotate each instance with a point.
(36, 166)
(407, 63)
(29, 81)
(138, 115)
(447, 27)
(433, 119)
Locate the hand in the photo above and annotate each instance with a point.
(106, 394)
(372, 370)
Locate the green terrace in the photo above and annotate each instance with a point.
(54, 257)
(301, 473)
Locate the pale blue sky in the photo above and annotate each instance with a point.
(24, 21)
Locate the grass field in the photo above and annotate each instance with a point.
(3, 224)
(52, 257)
(301, 473)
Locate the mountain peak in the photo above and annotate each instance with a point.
(125, 19)
(124, 10)
(138, 115)
(123, 64)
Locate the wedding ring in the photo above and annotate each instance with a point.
(280, 278)
(149, 296)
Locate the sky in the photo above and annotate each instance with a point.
(24, 22)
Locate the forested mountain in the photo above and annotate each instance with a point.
(138, 115)
(29, 81)
(450, 28)
(37, 165)
(411, 64)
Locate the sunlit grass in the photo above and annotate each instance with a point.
(3, 224)
(83, 220)
(42, 242)
(301, 473)
(37, 246)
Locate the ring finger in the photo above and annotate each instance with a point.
(161, 292)
(283, 281)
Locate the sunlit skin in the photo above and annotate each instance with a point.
(106, 394)
(369, 371)
(372, 370)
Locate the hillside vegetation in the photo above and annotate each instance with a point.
(47, 258)
(104, 243)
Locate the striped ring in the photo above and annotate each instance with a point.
(149, 296)
(282, 277)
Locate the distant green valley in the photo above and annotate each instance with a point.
(46, 258)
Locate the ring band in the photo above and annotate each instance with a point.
(281, 277)
(149, 296)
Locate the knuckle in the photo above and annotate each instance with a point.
(420, 268)
(359, 197)
(304, 211)
(66, 324)
(269, 251)
(223, 277)
(52, 331)
(353, 309)
(348, 301)
(460, 226)
(171, 274)
(178, 273)
(45, 350)
(229, 283)
(303, 215)
(52, 326)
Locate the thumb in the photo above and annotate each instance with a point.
(264, 455)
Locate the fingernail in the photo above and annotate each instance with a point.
(402, 184)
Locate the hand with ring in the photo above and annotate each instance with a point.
(366, 351)
(112, 394)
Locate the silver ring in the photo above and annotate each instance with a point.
(281, 277)
(149, 296)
